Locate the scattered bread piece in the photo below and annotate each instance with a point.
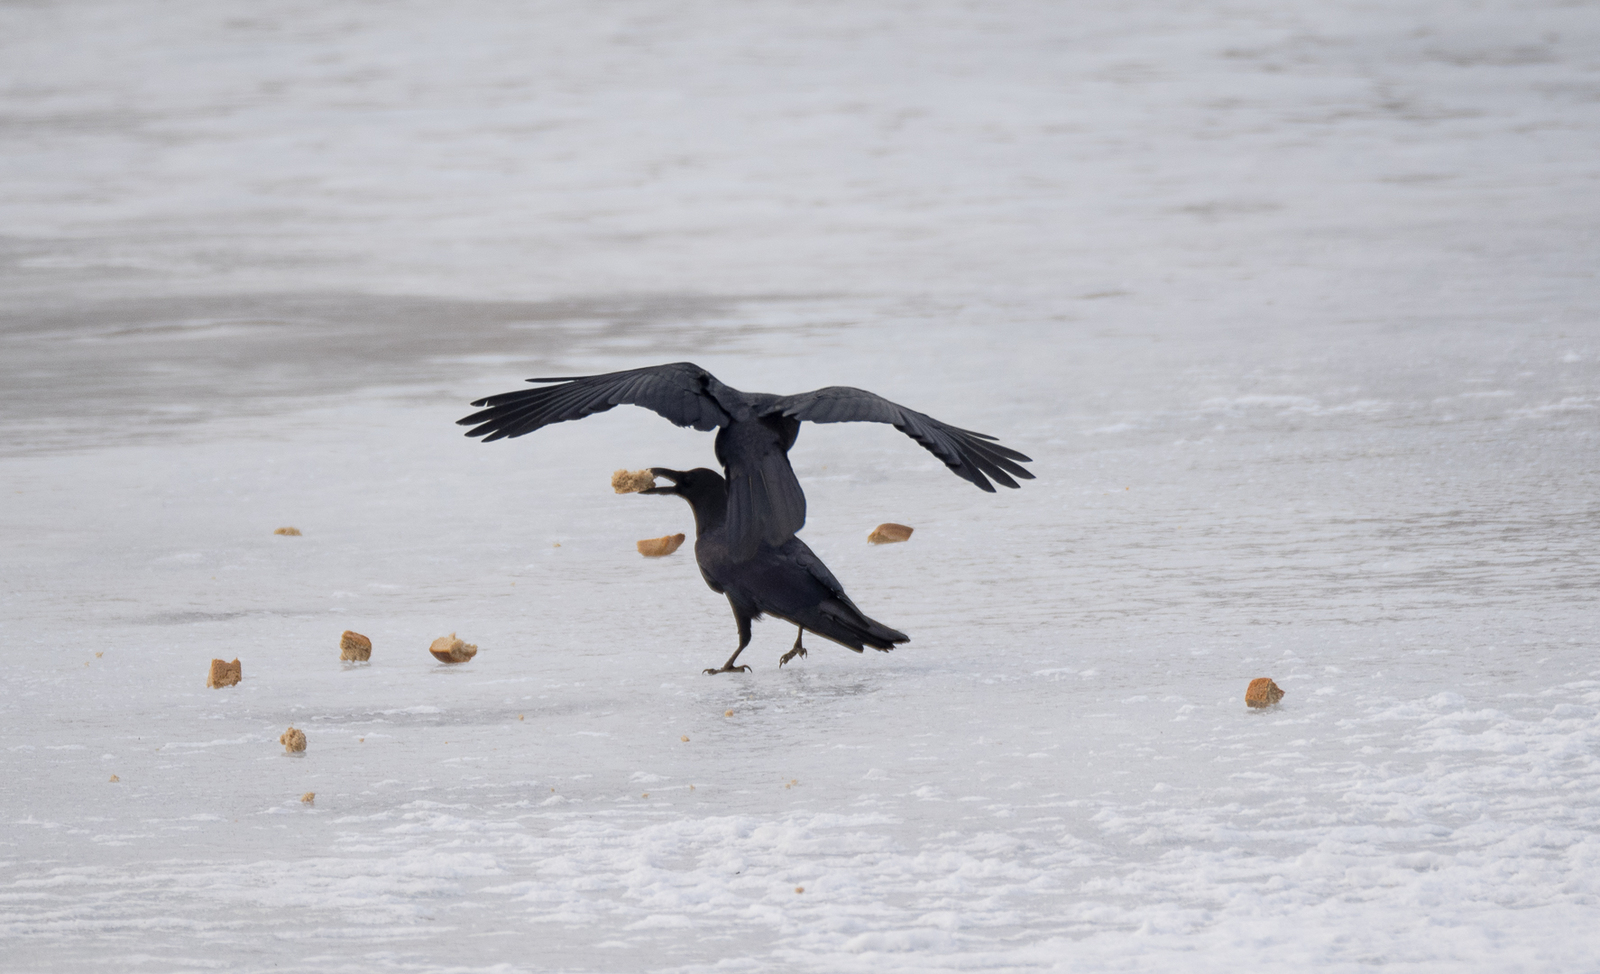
(889, 533)
(224, 674)
(632, 481)
(293, 741)
(684, 738)
(799, 889)
(660, 547)
(727, 713)
(355, 647)
(308, 797)
(449, 649)
(1262, 693)
(290, 532)
(115, 779)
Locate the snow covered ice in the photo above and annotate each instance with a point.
(1293, 303)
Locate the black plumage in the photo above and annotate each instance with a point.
(755, 431)
(788, 580)
(745, 522)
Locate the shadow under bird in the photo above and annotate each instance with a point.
(745, 521)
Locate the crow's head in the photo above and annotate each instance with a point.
(705, 490)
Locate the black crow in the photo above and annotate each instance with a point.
(786, 580)
(755, 431)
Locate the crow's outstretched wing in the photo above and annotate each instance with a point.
(681, 392)
(969, 455)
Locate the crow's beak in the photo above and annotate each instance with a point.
(672, 475)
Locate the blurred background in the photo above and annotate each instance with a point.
(215, 183)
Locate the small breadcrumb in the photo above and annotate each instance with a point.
(449, 649)
(354, 647)
(224, 674)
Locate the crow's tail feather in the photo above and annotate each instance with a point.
(838, 620)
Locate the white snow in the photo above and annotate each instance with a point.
(1293, 303)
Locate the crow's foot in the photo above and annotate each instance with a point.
(727, 668)
(799, 651)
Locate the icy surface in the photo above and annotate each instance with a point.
(1293, 303)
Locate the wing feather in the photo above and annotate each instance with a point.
(801, 554)
(987, 451)
(680, 392)
(974, 457)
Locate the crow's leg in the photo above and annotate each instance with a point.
(743, 619)
(798, 649)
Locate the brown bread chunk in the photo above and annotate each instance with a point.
(889, 533)
(1262, 692)
(632, 481)
(449, 649)
(355, 647)
(659, 547)
(224, 674)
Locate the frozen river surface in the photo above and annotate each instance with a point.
(1294, 304)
